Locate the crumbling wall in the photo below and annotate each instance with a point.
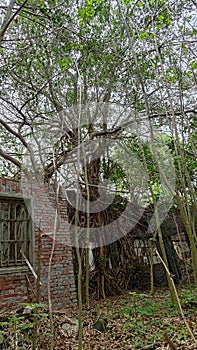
(17, 287)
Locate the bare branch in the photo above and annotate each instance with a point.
(7, 16)
(22, 139)
(13, 132)
(10, 158)
(194, 2)
(9, 19)
(176, 113)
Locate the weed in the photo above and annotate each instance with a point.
(25, 327)
(142, 309)
(108, 305)
(189, 297)
(116, 315)
(13, 321)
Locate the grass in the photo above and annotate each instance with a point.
(146, 318)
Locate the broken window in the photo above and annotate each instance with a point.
(16, 246)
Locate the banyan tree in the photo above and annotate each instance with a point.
(125, 262)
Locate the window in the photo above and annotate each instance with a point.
(16, 245)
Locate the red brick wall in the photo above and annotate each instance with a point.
(16, 288)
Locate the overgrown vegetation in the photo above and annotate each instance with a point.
(101, 96)
(133, 321)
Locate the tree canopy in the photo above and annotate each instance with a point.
(54, 55)
(103, 93)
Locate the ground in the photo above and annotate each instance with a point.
(134, 320)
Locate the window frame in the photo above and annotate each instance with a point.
(28, 203)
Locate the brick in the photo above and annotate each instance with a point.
(15, 288)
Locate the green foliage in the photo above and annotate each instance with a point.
(86, 13)
(194, 65)
(158, 314)
(116, 174)
(116, 315)
(34, 306)
(12, 320)
(189, 297)
(103, 260)
(26, 324)
(63, 54)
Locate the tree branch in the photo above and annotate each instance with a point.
(22, 139)
(10, 158)
(13, 132)
(167, 114)
(9, 19)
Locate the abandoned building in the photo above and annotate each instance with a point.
(34, 263)
(125, 263)
(26, 245)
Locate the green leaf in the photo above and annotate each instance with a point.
(34, 305)
(161, 18)
(159, 26)
(168, 21)
(26, 325)
(65, 63)
(4, 323)
(194, 65)
(143, 35)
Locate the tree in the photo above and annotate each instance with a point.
(61, 62)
